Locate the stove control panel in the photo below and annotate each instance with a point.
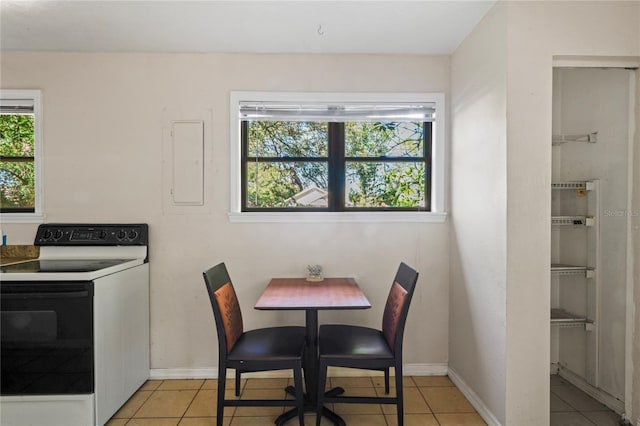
(61, 234)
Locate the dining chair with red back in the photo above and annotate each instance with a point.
(367, 348)
(264, 349)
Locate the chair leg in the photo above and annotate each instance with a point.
(386, 381)
(238, 374)
(322, 379)
(399, 393)
(222, 379)
(297, 381)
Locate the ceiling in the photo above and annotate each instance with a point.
(302, 26)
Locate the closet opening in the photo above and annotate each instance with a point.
(591, 258)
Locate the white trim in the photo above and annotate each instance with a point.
(474, 399)
(441, 369)
(183, 373)
(333, 217)
(438, 150)
(21, 217)
(212, 372)
(569, 61)
(631, 311)
(37, 216)
(438, 172)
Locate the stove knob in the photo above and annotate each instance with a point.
(47, 234)
(132, 235)
(102, 235)
(57, 235)
(121, 235)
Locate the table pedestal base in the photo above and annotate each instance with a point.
(311, 408)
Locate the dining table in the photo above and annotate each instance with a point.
(311, 297)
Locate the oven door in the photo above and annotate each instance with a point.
(46, 339)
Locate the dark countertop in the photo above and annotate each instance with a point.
(18, 253)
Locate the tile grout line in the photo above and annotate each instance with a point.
(138, 409)
(191, 402)
(575, 409)
(371, 385)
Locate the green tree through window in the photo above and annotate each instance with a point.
(17, 171)
(335, 166)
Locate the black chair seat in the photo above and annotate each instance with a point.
(353, 342)
(351, 346)
(264, 349)
(275, 343)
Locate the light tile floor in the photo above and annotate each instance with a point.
(572, 407)
(429, 401)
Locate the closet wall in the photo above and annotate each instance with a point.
(594, 100)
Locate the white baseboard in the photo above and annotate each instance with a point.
(212, 373)
(477, 403)
(426, 369)
(183, 373)
(409, 370)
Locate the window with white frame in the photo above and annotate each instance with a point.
(20, 152)
(339, 153)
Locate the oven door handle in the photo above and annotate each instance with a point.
(47, 295)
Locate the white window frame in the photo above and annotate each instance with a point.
(437, 213)
(36, 96)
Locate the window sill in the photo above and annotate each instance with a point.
(332, 217)
(21, 218)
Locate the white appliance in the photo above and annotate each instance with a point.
(75, 325)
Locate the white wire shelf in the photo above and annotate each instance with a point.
(575, 185)
(564, 269)
(562, 139)
(562, 318)
(573, 220)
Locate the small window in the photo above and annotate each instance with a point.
(338, 153)
(20, 150)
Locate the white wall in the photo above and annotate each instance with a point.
(103, 128)
(536, 32)
(477, 343)
(635, 236)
